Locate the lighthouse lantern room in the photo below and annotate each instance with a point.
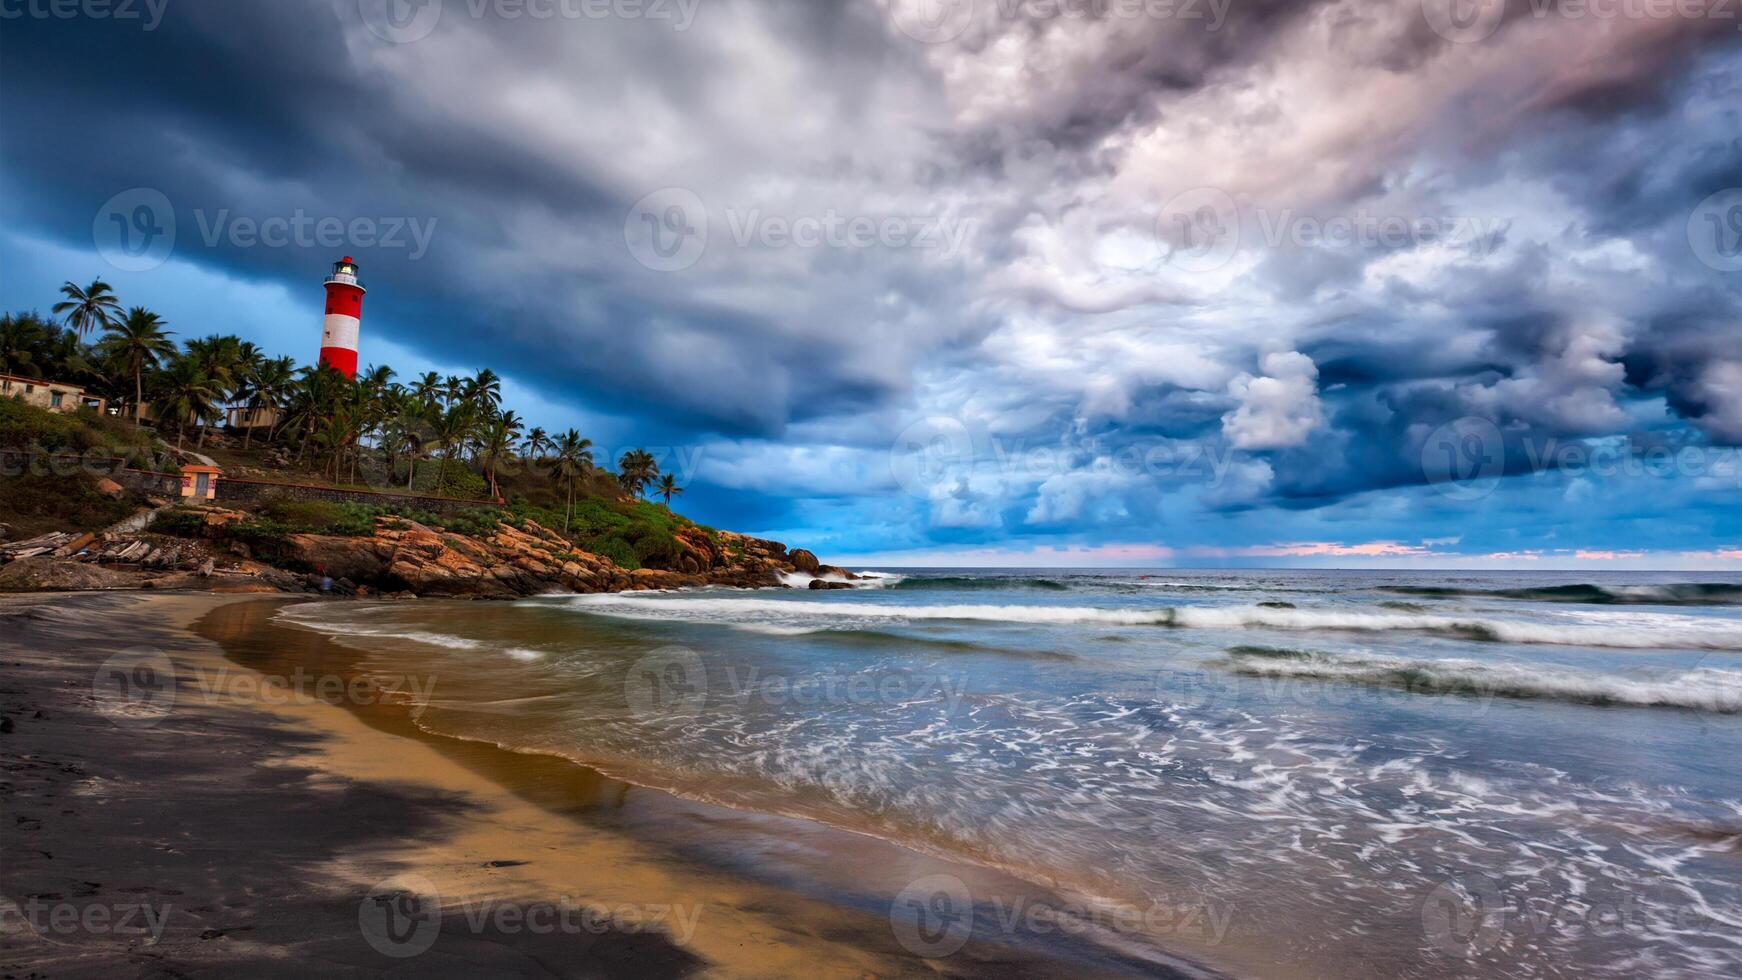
(344, 318)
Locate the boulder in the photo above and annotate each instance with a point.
(804, 561)
(109, 488)
(820, 584)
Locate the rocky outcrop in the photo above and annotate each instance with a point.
(805, 562)
(397, 557)
(530, 560)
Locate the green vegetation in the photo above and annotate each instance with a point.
(434, 436)
(38, 503)
(26, 428)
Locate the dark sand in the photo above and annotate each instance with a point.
(256, 831)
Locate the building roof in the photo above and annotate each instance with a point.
(41, 381)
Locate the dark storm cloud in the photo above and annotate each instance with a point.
(1581, 149)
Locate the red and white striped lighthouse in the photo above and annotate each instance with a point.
(344, 318)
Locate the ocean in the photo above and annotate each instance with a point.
(1299, 773)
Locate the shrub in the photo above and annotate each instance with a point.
(28, 427)
(182, 522)
(616, 549)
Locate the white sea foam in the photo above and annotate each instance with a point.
(1623, 630)
(1699, 689)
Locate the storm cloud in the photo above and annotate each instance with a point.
(1178, 272)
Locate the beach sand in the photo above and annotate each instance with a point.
(305, 826)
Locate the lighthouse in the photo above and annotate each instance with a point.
(344, 318)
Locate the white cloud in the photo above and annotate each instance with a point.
(1277, 410)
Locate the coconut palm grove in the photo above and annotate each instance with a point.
(430, 435)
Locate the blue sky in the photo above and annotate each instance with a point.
(1282, 284)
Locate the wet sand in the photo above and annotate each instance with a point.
(306, 826)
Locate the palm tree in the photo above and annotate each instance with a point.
(428, 387)
(21, 342)
(189, 395)
(92, 307)
(668, 488)
(269, 384)
(452, 428)
(537, 443)
(574, 456)
(636, 469)
(66, 358)
(496, 446)
(141, 344)
(484, 391)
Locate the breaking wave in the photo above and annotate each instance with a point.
(966, 582)
(1683, 633)
(1674, 594)
(1699, 689)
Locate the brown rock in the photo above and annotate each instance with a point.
(818, 584)
(804, 561)
(109, 488)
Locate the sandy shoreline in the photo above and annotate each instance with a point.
(252, 827)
